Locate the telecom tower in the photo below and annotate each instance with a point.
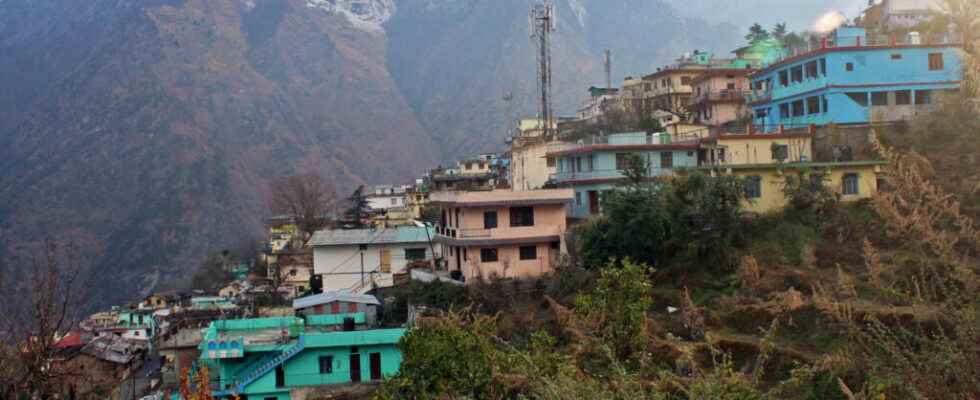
(607, 62)
(542, 22)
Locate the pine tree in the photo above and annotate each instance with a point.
(359, 208)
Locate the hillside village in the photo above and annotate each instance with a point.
(319, 311)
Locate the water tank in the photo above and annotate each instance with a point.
(915, 38)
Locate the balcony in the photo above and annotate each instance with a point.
(735, 95)
(758, 96)
(571, 177)
(505, 234)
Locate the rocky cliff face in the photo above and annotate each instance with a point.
(147, 131)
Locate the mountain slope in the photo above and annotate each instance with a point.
(147, 131)
(151, 142)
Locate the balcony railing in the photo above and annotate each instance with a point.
(502, 232)
(719, 95)
(605, 174)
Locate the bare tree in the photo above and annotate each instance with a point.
(306, 198)
(42, 302)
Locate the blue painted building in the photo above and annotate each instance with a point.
(849, 81)
(597, 166)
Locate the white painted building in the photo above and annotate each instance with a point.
(354, 260)
(385, 197)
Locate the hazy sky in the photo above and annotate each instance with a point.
(799, 14)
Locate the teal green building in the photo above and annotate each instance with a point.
(266, 358)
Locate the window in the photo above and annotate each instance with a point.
(823, 66)
(903, 97)
(826, 104)
(850, 184)
(753, 187)
(896, 56)
(578, 164)
(622, 161)
(415, 254)
(667, 159)
(923, 97)
(578, 198)
(280, 377)
(797, 74)
(784, 110)
(813, 105)
(529, 252)
(784, 77)
(685, 80)
(780, 152)
(879, 98)
(935, 61)
(849, 67)
(490, 220)
(469, 166)
(591, 161)
(797, 108)
(521, 216)
(551, 162)
(488, 255)
(326, 364)
(394, 202)
(811, 69)
(730, 86)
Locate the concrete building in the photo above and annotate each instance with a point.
(384, 197)
(356, 260)
(849, 81)
(599, 101)
(765, 160)
(888, 15)
(277, 358)
(590, 168)
(331, 303)
(509, 234)
(719, 96)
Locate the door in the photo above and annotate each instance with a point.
(375, 366)
(386, 261)
(593, 202)
(355, 368)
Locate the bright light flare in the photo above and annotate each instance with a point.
(829, 21)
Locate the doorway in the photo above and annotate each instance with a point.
(375, 366)
(593, 202)
(355, 368)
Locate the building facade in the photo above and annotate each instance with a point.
(719, 96)
(849, 81)
(270, 358)
(357, 260)
(503, 233)
(590, 169)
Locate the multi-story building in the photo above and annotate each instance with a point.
(851, 81)
(765, 160)
(669, 88)
(277, 358)
(590, 168)
(599, 101)
(719, 96)
(529, 169)
(356, 260)
(890, 15)
(503, 233)
(384, 197)
(478, 173)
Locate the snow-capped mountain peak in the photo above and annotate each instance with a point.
(368, 15)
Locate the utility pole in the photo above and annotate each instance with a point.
(361, 248)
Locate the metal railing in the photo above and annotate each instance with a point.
(605, 174)
(719, 95)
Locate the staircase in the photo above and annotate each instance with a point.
(261, 367)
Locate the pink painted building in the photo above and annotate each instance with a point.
(504, 233)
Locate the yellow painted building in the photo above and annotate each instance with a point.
(737, 149)
(852, 180)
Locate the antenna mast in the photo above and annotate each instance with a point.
(543, 21)
(607, 61)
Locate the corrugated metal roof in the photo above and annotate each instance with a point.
(401, 234)
(330, 297)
